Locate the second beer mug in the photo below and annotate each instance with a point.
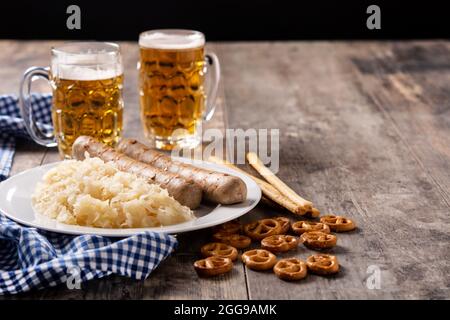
(87, 80)
(175, 95)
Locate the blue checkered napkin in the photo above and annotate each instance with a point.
(12, 126)
(32, 259)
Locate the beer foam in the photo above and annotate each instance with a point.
(171, 39)
(69, 72)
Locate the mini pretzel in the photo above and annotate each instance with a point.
(260, 229)
(318, 240)
(279, 243)
(259, 259)
(285, 224)
(290, 269)
(338, 223)
(235, 240)
(323, 264)
(230, 227)
(213, 266)
(301, 227)
(220, 250)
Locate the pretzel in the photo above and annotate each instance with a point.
(279, 243)
(260, 229)
(220, 250)
(301, 227)
(235, 240)
(213, 266)
(259, 259)
(318, 240)
(338, 223)
(231, 227)
(322, 264)
(290, 269)
(285, 224)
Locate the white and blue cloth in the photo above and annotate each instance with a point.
(12, 126)
(35, 259)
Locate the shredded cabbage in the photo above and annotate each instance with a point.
(96, 194)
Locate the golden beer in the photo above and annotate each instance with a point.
(171, 78)
(87, 107)
(172, 94)
(87, 81)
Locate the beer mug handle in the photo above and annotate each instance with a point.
(26, 111)
(213, 88)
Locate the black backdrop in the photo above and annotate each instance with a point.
(226, 20)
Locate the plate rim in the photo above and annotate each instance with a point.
(125, 232)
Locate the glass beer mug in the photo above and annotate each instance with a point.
(178, 85)
(86, 80)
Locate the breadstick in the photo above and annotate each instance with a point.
(268, 190)
(256, 163)
(314, 213)
(270, 203)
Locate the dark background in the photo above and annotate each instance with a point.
(226, 20)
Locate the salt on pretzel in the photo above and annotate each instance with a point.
(219, 249)
(233, 226)
(235, 240)
(301, 227)
(259, 259)
(260, 229)
(338, 223)
(285, 224)
(318, 240)
(279, 243)
(323, 264)
(290, 269)
(213, 266)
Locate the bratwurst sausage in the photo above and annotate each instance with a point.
(184, 191)
(217, 187)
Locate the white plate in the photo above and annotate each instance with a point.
(15, 203)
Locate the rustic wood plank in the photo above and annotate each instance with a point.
(363, 131)
(413, 78)
(15, 58)
(339, 150)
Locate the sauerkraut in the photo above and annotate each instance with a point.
(95, 194)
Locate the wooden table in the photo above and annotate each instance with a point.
(364, 132)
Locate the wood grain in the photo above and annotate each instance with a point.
(356, 146)
(364, 130)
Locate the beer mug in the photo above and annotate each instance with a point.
(86, 80)
(178, 85)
